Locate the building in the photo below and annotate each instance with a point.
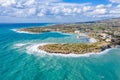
(108, 40)
(103, 35)
(77, 32)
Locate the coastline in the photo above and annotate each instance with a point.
(90, 40)
(33, 49)
(75, 48)
(22, 59)
(93, 45)
(25, 32)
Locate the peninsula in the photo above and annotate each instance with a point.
(106, 32)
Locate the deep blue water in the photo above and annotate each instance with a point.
(19, 61)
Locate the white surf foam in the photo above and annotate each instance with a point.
(33, 49)
(62, 33)
(25, 32)
(20, 44)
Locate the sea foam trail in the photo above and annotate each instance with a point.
(25, 32)
(19, 44)
(33, 49)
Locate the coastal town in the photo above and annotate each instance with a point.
(103, 34)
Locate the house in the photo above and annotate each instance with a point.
(77, 32)
(103, 35)
(108, 40)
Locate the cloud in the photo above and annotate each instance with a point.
(115, 1)
(29, 2)
(6, 3)
(98, 11)
(42, 12)
(56, 9)
(32, 11)
(115, 10)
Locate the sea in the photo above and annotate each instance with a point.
(21, 60)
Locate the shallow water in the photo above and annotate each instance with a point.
(18, 61)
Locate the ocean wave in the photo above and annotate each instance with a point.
(25, 32)
(20, 44)
(33, 49)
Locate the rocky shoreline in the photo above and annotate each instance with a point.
(74, 48)
(91, 47)
(102, 37)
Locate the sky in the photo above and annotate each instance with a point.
(57, 11)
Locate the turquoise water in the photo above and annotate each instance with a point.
(20, 62)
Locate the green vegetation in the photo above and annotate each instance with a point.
(73, 48)
(34, 30)
(107, 32)
(106, 26)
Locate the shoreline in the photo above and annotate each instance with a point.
(25, 32)
(32, 49)
(93, 45)
(75, 48)
(90, 40)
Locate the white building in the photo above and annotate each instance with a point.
(77, 32)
